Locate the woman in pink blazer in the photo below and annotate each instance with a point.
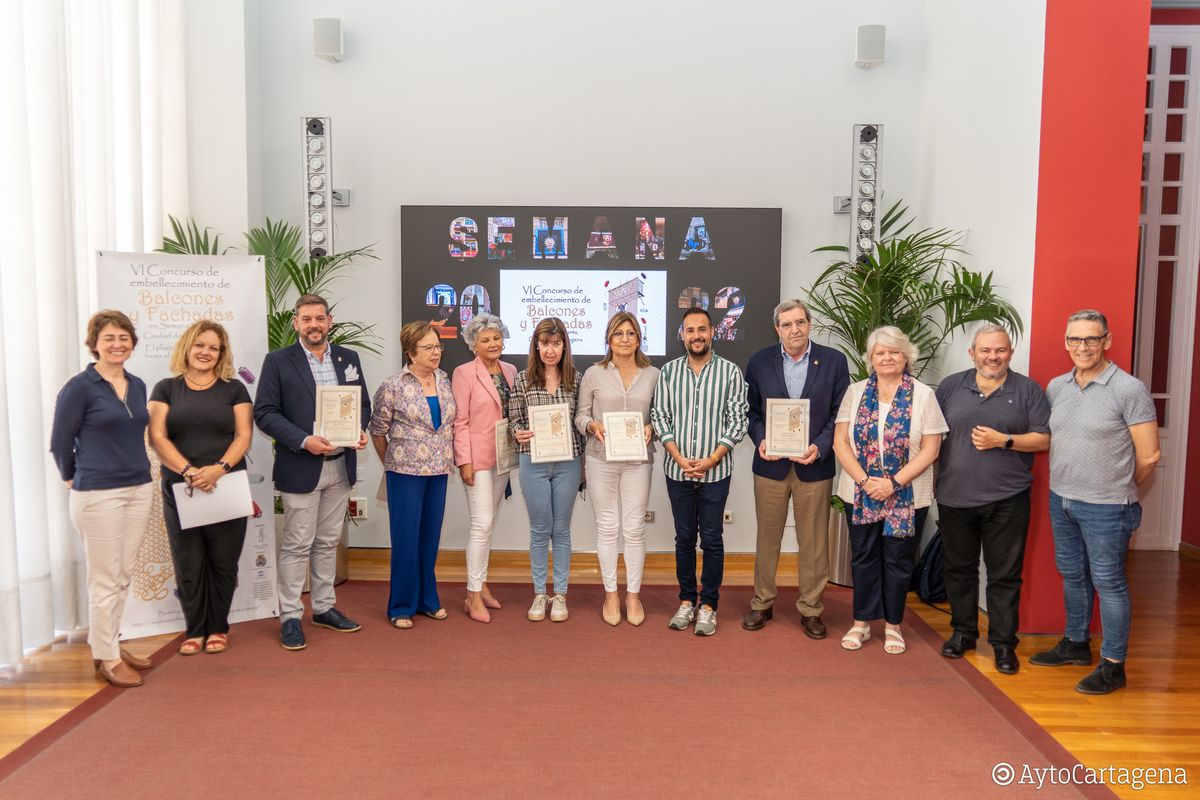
(481, 389)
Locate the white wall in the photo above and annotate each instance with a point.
(218, 161)
(980, 133)
(453, 103)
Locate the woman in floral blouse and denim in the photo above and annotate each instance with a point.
(412, 428)
(549, 488)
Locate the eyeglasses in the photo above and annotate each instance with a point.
(1090, 341)
(431, 348)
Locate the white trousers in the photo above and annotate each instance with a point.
(312, 530)
(620, 491)
(483, 503)
(111, 522)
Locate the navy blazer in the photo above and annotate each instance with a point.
(285, 409)
(828, 377)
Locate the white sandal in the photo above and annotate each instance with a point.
(893, 642)
(849, 642)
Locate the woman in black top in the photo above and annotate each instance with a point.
(98, 443)
(201, 422)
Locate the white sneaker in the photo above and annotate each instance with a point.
(537, 611)
(558, 608)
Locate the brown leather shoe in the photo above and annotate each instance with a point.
(756, 619)
(121, 675)
(813, 627)
(137, 662)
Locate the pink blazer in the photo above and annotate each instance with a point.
(478, 412)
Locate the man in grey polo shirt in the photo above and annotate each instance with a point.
(998, 419)
(1104, 444)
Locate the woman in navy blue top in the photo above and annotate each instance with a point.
(98, 442)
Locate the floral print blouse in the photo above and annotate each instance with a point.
(401, 413)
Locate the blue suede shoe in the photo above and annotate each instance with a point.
(335, 621)
(291, 635)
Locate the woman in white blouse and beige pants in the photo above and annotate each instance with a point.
(622, 381)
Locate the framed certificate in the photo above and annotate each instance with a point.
(506, 454)
(624, 436)
(339, 414)
(552, 433)
(787, 427)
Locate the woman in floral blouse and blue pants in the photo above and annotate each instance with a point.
(412, 428)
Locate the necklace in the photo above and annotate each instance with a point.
(197, 384)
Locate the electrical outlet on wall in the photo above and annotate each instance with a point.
(728, 517)
(649, 516)
(357, 508)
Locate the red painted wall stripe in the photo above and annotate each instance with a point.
(1085, 252)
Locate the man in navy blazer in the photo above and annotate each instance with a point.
(313, 477)
(796, 368)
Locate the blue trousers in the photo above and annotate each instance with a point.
(882, 568)
(1091, 541)
(549, 491)
(416, 504)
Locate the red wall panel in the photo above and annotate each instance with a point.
(1085, 254)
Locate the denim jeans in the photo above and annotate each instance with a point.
(549, 491)
(1091, 541)
(699, 509)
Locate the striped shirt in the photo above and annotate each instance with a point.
(699, 412)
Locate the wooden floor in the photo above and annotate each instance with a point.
(1154, 722)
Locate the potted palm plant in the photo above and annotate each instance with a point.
(288, 275)
(912, 280)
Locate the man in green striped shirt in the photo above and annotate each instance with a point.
(699, 414)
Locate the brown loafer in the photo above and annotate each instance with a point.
(137, 662)
(813, 627)
(756, 619)
(121, 675)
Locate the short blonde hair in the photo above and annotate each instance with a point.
(224, 367)
(891, 336)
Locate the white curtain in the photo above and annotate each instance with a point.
(93, 156)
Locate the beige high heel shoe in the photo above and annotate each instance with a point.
(612, 608)
(633, 609)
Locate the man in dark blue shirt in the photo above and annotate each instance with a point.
(998, 419)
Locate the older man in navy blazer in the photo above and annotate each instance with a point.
(796, 368)
(313, 477)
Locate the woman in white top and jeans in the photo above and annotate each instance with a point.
(622, 381)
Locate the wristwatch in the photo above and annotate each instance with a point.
(224, 466)
(1008, 443)
(896, 485)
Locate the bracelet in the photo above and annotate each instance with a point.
(896, 485)
(183, 472)
(863, 482)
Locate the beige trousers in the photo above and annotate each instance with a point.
(111, 522)
(810, 505)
